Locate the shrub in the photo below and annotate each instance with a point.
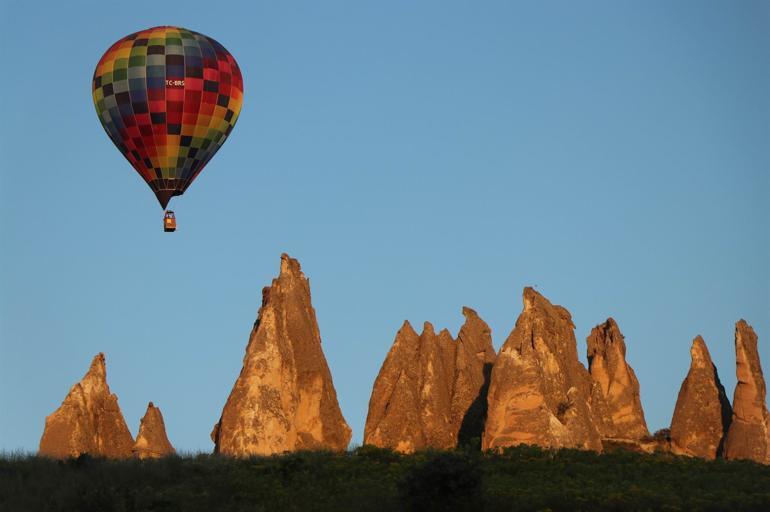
(446, 481)
(377, 454)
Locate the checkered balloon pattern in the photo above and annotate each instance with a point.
(168, 98)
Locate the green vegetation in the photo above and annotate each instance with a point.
(368, 478)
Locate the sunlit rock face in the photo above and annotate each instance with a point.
(747, 437)
(540, 393)
(620, 416)
(436, 362)
(394, 419)
(284, 398)
(474, 359)
(431, 389)
(152, 441)
(702, 414)
(88, 421)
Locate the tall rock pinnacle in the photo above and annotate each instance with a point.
(437, 353)
(617, 383)
(431, 389)
(88, 421)
(394, 419)
(151, 441)
(540, 392)
(473, 369)
(748, 434)
(702, 414)
(284, 398)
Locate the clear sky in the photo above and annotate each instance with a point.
(415, 157)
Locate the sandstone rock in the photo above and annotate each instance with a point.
(284, 398)
(437, 353)
(622, 417)
(394, 419)
(431, 390)
(540, 392)
(411, 404)
(702, 414)
(152, 442)
(747, 437)
(473, 369)
(88, 421)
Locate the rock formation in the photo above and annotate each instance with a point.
(431, 390)
(394, 419)
(88, 421)
(151, 441)
(702, 414)
(473, 369)
(284, 398)
(621, 414)
(540, 392)
(747, 437)
(436, 362)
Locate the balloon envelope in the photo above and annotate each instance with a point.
(168, 98)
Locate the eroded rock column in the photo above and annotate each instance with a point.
(702, 414)
(284, 398)
(747, 437)
(623, 417)
(540, 392)
(89, 420)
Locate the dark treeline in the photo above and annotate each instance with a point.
(368, 478)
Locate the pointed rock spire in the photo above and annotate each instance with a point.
(431, 389)
(474, 358)
(284, 398)
(617, 383)
(88, 421)
(410, 406)
(437, 353)
(394, 419)
(702, 414)
(152, 442)
(747, 437)
(540, 392)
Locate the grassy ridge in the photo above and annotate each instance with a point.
(521, 478)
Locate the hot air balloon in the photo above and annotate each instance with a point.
(168, 98)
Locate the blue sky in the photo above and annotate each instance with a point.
(415, 157)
